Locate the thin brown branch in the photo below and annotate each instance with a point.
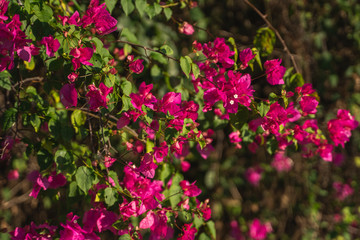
(286, 49)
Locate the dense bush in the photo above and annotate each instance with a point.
(145, 119)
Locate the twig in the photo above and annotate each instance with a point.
(286, 49)
(147, 48)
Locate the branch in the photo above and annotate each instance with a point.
(286, 49)
(147, 48)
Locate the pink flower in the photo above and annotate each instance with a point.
(98, 96)
(259, 231)
(52, 181)
(274, 71)
(68, 95)
(100, 17)
(189, 232)
(253, 175)
(13, 174)
(342, 190)
(235, 232)
(308, 104)
(245, 56)
(190, 190)
(281, 162)
(108, 161)
(325, 151)
(341, 127)
(206, 151)
(51, 44)
(3, 8)
(41, 232)
(73, 20)
(81, 55)
(185, 166)
(123, 121)
(72, 77)
(137, 66)
(186, 28)
(98, 220)
(161, 152)
(147, 166)
(72, 230)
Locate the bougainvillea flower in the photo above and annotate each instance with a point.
(13, 174)
(98, 96)
(51, 44)
(98, 15)
(72, 230)
(188, 232)
(147, 166)
(190, 190)
(137, 66)
(274, 71)
(342, 190)
(39, 182)
(281, 162)
(72, 77)
(123, 121)
(253, 175)
(43, 232)
(186, 28)
(245, 56)
(259, 231)
(161, 152)
(68, 95)
(81, 55)
(108, 161)
(341, 127)
(308, 104)
(98, 220)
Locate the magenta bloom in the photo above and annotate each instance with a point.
(137, 66)
(308, 104)
(53, 181)
(123, 121)
(190, 190)
(41, 232)
(68, 95)
(81, 55)
(189, 232)
(97, 96)
(72, 77)
(72, 230)
(259, 231)
(281, 162)
(51, 44)
(13, 174)
(342, 190)
(274, 71)
(100, 17)
(108, 161)
(161, 152)
(3, 8)
(341, 127)
(99, 220)
(186, 28)
(245, 57)
(253, 175)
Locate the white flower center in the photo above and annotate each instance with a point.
(236, 96)
(231, 102)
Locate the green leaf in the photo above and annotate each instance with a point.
(265, 41)
(110, 4)
(141, 6)
(126, 87)
(127, 6)
(159, 57)
(35, 122)
(168, 13)
(212, 230)
(8, 118)
(185, 217)
(128, 35)
(114, 177)
(170, 133)
(44, 14)
(44, 158)
(263, 108)
(203, 236)
(257, 57)
(84, 178)
(195, 70)
(110, 196)
(5, 82)
(157, 8)
(165, 173)
(78, 118)
(150, 11)
(185, 64)
(166, 49)
(125, 237)
(175, 191)
(240, 118)
(271, 146)
(232, 41)
(64, 161)
(126, 101)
